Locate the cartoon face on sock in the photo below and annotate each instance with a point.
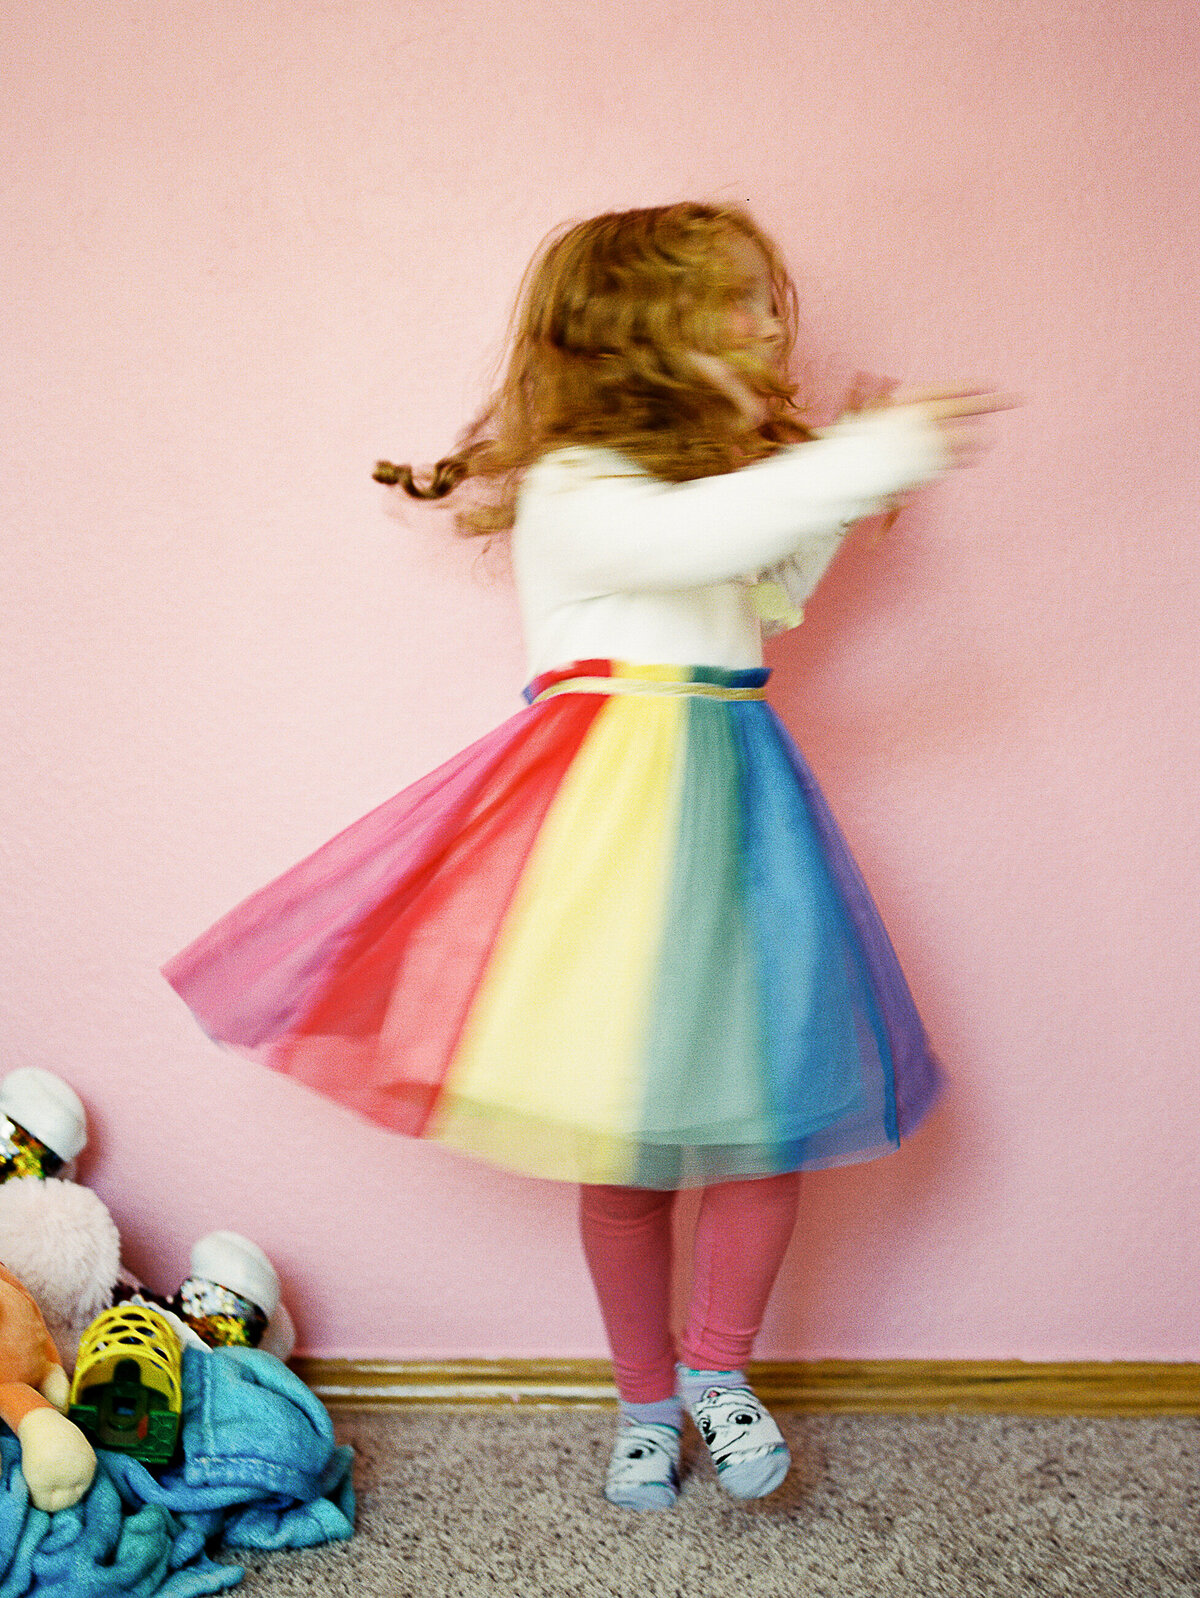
(732, 1419)
(643, 1448)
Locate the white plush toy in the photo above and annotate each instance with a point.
(56, 1236)
(231, 1297)
(59, 1238)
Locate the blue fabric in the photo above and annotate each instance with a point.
(259, 1469)
(914, 1081)
(820, 1056)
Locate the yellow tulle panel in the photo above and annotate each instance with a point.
(560, 1018)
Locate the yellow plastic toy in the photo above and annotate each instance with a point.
(126, 1393)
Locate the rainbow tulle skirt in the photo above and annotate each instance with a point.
(619, 939)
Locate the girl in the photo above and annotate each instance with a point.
(620, 941)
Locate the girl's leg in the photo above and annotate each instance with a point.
(627, 1243)
(742, 1232)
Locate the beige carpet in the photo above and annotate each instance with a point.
(455, 1503)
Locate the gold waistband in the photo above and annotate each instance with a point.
(642, 685)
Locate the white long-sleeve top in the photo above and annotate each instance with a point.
(612, 563)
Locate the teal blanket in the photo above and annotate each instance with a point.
(258, 1469)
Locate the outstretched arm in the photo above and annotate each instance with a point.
(604, 533)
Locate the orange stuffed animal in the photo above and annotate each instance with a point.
(56, 1458)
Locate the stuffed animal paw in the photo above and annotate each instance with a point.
(57, 1460)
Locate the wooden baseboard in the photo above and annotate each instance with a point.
(908, 1386)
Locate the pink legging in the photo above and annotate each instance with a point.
(742, 1232)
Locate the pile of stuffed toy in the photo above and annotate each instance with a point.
(182, 1429)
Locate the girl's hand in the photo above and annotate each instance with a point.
(868, 392)
(956, 412)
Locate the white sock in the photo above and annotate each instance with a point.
(747, 1447)
(643, 1472)
(666, 1412)
(691, 1383)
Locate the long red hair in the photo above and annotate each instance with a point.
(608, 315)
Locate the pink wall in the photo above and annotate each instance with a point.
(254, 245)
